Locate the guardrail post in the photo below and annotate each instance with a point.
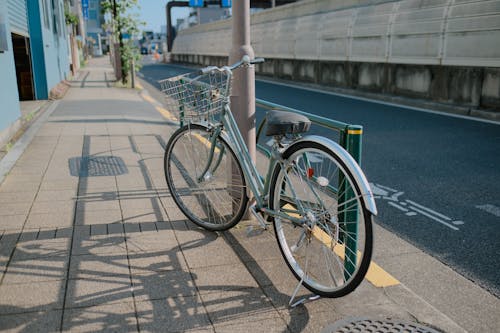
(351, 141)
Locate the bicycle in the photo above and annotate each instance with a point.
(314, 193)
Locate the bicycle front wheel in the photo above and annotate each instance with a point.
(205, 178)
(323, 229)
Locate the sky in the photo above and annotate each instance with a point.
(153, 13)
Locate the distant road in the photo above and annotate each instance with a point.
(436, 177)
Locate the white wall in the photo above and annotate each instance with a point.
(433, 32)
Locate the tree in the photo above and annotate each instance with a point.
(124, 22)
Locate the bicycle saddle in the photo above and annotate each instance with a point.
(282, 122)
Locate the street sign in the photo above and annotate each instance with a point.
(196, 3)
(85, 9)
(226, 3)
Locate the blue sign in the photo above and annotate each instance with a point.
(85, 13)
(196, 3)
(85, 9)
(225, 3)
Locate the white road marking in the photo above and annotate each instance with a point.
(411, 208)
(489, 208)
(398, 206)
(435, 218)
(429, 210)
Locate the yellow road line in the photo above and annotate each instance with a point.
(376, 275)
(165, 113)
(380, 278)
(205, 141)
(149, 99)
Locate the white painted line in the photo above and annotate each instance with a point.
(489, 208)
(387, 188)
(435, 218)
(365, 99)
(444, 217)
(397, 206)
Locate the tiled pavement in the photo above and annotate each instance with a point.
(104, 248)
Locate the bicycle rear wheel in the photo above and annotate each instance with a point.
(206, 182)
(330, 249)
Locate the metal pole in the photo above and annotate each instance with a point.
(243, 95)
(132, 73)
(170, 29)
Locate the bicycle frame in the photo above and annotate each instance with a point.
(256, 184)
(259, 186)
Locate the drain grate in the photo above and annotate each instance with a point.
(358, 325)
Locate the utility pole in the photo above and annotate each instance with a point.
(243, 95)
(118, 56)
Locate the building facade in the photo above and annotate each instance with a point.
(94, 22)
(9, 95)
(34, 56)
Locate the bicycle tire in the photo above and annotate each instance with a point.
(328, 230)
(214, 201)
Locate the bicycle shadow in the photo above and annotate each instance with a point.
(146, 289)
(117, 277)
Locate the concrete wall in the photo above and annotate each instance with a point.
(9, 107)
(443, 50)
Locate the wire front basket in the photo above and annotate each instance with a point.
(196, 97)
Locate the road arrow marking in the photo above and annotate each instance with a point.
(489, 208)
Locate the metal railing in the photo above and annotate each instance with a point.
(350, 136)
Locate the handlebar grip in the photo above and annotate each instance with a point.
(207, 70)
(257, 60)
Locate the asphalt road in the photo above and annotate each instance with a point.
(436, 177)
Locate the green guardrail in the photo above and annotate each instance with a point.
(350, 135)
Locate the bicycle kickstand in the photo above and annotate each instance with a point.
(303, 300)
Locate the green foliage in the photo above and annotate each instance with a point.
(9, 146)
(130, 52)
(124, 22)
(71, 19)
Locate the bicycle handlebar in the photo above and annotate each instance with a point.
(245, 61)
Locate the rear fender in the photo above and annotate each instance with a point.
(349, 163)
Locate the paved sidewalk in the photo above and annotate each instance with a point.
(104, 248)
